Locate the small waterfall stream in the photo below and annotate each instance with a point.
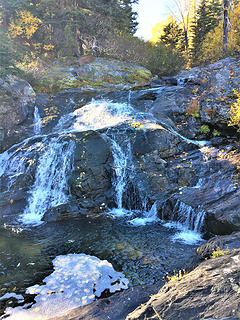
(50, 188)
(37, 122)
(121, 165)
(189, 221)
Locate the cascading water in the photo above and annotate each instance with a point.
(37, 122)
(121, 164)
(188, 220)
(50, 188)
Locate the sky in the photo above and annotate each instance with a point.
(149, 13)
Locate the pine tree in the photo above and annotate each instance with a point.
(207, 18)
(173, 36)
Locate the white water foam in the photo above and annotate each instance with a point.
(76, 281)
(189, 223)
(98, 114)
(183, 234)
(50, 188)
(147, 217)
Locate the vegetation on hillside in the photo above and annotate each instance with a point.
(35, 32)
(203, 30)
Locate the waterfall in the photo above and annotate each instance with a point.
(52, 158)
(147, 217)
(16, 161)
(120, 180)
(37, 122)
(129, 97)
(50, 188)
(191, 218)
(188, 220)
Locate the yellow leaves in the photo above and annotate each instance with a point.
(176, 275)
(25, 25)
(218, 252)
(14, 30)
(48, 47)
(235, 111)
(137, 125)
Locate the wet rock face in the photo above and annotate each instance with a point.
(91, 177)
(201, 179)
(16, 100)
(211, 291)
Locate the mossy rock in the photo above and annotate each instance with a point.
(95, 74)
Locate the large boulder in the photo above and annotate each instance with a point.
(91, 175)
(208, 182)
(219, 243)
(211, 291)
(89, 73)
(17, 99)
(202, 98)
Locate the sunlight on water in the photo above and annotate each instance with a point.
(147, 217)
(98, 114)
(76, 281)
(183, 234)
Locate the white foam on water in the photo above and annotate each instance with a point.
(183, 234)
(98, 114)
(50, 187)
(119, 212)
(147, 217)
(77, 280)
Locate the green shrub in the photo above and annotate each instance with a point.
(159, 59)
(216, 133)
(205, 129)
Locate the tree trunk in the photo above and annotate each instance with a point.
(225, 24)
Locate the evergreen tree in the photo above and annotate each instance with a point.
(10, 54)
(206, 19)
(173, 36)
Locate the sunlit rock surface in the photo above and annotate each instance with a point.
(76, 281)
(91, 74)
(211, 291)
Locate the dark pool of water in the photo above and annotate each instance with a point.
(144, 254)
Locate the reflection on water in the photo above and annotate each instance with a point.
(144, 254)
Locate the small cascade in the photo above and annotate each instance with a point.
(129, 97)
(99, 114)
(147, 217)
(120, 159)
(50, 188)
(191, 218)
(188, 220)
(37, 122)
(16, 162)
